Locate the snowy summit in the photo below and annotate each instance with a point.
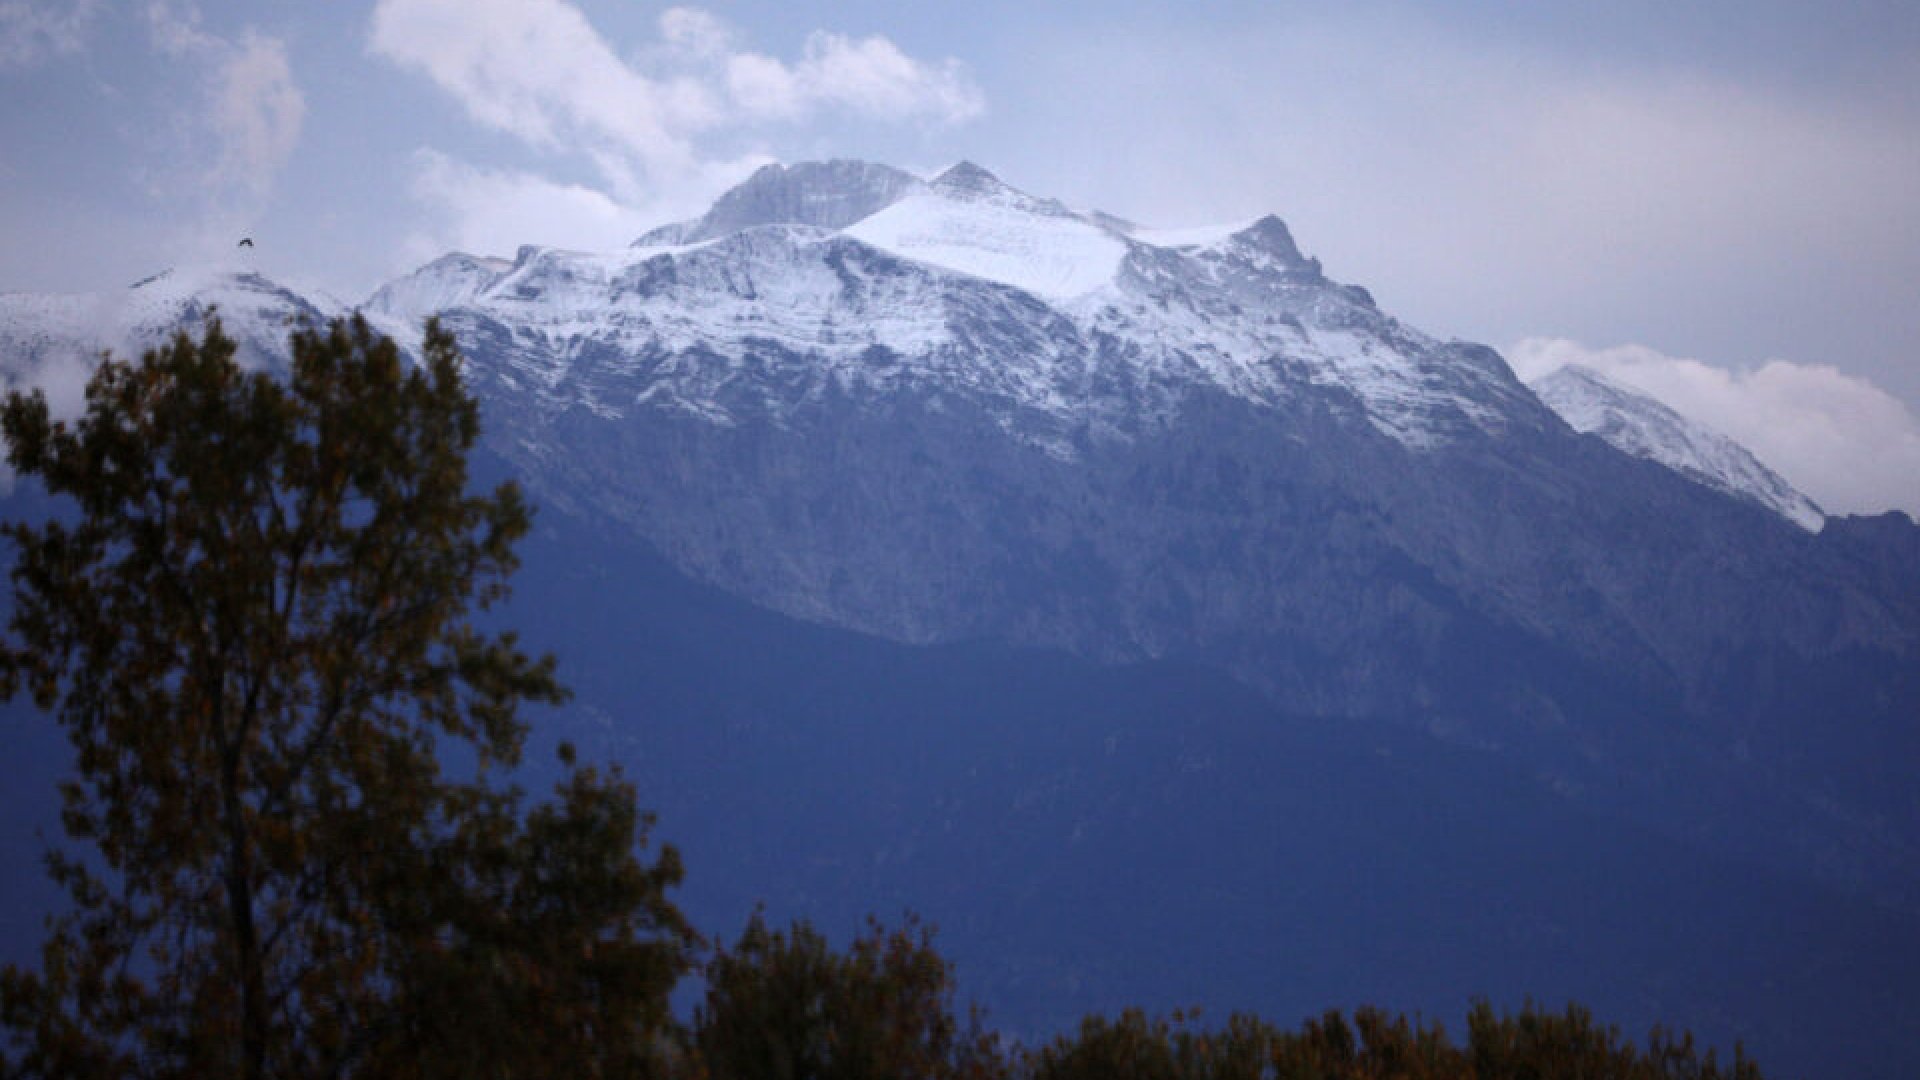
(847, 276)
(831, 260)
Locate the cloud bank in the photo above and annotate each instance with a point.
(538, 70)
(1850, 446)
(646, 121)
(494, 211)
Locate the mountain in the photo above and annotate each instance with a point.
(943, 410)
(978, 414)
(926, 542)
(40, 332)
(1636, 424)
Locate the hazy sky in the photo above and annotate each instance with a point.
(1734, 186)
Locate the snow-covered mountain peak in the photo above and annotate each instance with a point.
(967, 178)
(970, 283)
(968, 220)
(450, 281)
(967, 182)
(257, 312)
(826, 194)
(53, 342)
(862, 275)
(165, 299)
(1636, 424)
(1271, 236)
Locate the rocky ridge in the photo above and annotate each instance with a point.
(1636, 424)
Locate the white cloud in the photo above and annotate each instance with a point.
(253, 111)
(1850, 446)
(33, 29)
(538, 70)
(493, 212)
(258, 110)
(176, 30)
(869, 75)
(695, 34)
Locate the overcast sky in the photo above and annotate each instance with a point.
(1659, 190)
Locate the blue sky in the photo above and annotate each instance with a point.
(1718, 201)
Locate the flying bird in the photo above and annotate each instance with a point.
(246, 241)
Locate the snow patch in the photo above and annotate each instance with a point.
(999, 236)
(1192, 237)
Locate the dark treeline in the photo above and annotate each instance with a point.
(785, 1004)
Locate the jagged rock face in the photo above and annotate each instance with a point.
(828, 194)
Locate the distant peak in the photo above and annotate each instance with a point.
(192, 279)
(826, 194)
(1638, 424)
(1271, 235)
(460, 260)
(967, 176)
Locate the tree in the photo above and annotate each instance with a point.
(1374, 1045)
(260, 636)
(782, 1005)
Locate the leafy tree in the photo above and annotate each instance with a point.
(259, 634)
(783, 1005)
(1531, 1045)
(1139, 1048)
(1536, 1042)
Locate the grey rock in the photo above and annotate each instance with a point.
(828, 194)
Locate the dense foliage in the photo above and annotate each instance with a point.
(785, 1004)
(1532, 1045)
(259, 634)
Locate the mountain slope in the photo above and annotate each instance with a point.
(1092, 837)
(977, 414)
(1638, 425)
(1089, 837)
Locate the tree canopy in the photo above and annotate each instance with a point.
(261, 633)
(785, 1004)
